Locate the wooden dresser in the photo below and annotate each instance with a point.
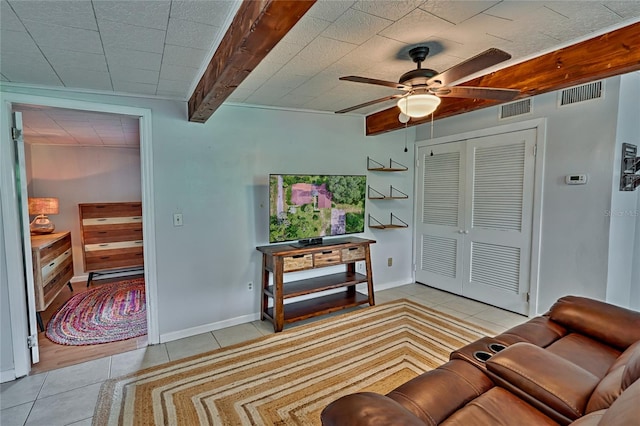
(111, 237)
(52, 260)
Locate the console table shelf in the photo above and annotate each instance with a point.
(277, 260)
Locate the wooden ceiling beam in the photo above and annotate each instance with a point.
(613, 53)
(256, 28)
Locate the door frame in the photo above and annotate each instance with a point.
(11, 219)
(540, 125)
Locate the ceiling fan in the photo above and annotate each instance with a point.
(424, 87)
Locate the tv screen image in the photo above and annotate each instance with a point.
(315, 206)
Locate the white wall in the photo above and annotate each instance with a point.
(77, 175)
(581, 138)
(635, 277)
(623, 212)
(216, 175)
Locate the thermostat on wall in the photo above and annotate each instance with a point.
(575, 179)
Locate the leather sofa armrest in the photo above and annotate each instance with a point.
(367, 408)
(616, 326)
(543, 377)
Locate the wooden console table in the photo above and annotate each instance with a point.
(284, 258)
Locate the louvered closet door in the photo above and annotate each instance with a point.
(499, 206)
(439, 214)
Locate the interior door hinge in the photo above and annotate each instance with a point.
(32, 341)
(15, 133)
(528, 296)
(417, 163)
(535, 150)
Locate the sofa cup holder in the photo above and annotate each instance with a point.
(482, 356)
(496, 347)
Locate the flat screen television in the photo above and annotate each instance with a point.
(309, 207)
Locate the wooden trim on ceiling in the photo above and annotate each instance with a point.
(608, 55)
(256, 28)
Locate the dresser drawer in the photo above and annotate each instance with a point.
(118, 245)
(104, 210)
(56, 282)
(129, 257)
(49, 267)
(298, 262)
(51, 251)
(353, 254)
(326, 258)
(106, 234)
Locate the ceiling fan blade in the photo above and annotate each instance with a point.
(366, 80)
(479, 62)
(386, 98)
(476, 93)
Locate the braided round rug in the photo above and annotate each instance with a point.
(105, 313)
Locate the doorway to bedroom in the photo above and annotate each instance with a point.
(89, 164)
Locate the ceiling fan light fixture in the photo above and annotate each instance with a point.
(419, 105)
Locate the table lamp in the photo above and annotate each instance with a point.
(41, 207)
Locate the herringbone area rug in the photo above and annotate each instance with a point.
(289, 377)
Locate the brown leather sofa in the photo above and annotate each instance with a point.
(578, 364)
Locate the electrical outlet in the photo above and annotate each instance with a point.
(360, 267)
(250, 286)
(177, 219)
(390, 261)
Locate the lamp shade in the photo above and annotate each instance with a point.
(38, 206)
(418, 105)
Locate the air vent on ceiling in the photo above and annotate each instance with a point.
(581, 93)
(515, 108)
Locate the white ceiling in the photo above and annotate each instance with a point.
(160, 48)
(60, 126)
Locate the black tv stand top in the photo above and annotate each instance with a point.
(293, 246)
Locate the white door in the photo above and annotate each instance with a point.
(440, 216)
(474, 212)
(498, 220)
(21, 190)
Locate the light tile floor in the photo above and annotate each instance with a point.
(68, 396)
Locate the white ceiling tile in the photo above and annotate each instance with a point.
(321, 53)
(474, 30)
(71, 59)
(355, 27)
(185, 56)
(174, 86)
(416, 27)
(134, 75)
(80, 78)
(28, 68)
(305, 31)
(205, 12)
(77, 39)
(3, 78)
(74, 14)
(117, 56)
(190, 34)
(177, 72)
(377, 49)
(132, 87)
(329, 10)
(171, 94)
(393, 10)
(589, 20)
(457, 11)
(283, 78)
(18, 42)
(283, 52)
(259, 75)
(239, 95)
(117, 34)
(625, 9)
(149, 14)
(514, 10)
(8, 19)
(315, 86)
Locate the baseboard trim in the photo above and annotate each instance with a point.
(205, 328)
